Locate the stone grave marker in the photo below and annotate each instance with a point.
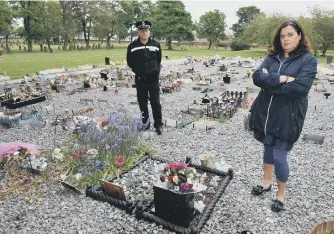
(199, 125)
(316, 138)
(170, 123)
(50, 109)
(134, 102)
(148, 135)
(100, 101)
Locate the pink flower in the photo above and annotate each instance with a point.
(77, 154)
(170, 178)
(180, 165)
(172, 166)
(119, 161)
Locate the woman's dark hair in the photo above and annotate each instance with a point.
(303, 46)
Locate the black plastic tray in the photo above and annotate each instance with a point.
(11, 105)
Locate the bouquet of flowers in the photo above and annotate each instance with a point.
(179, 175)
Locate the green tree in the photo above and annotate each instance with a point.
(30, 11)
(51, 21)
(68, 22)
(246, 15)
(171, 22)
(212, 26)
(106, 21)
(6, 22)
(84, 11)
(323, 22)
(261, 29)
(308, 26)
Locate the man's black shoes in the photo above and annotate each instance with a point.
(158, 130)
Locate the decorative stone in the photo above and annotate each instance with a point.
(317, 139)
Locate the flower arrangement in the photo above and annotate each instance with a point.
(97, 152)
(179, 176)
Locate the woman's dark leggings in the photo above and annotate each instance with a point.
(279, 158)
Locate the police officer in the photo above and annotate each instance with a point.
(144, 58)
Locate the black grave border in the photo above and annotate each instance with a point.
(141, 208)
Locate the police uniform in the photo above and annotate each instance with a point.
(145, 61)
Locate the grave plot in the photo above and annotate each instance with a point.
(180, 196)
(19, 108)
(101, 148)
(22, 167)
(223, 106)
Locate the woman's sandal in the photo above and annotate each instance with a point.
(258, 190)
(277, 206)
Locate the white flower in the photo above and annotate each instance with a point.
(78, 176)
(191, 176)
(189, 181)
(167, 173)
(175, 179)
(181, 172)
(194, 171)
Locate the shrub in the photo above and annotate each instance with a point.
(222, 44)
(239, 45)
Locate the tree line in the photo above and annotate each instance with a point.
(63, 22)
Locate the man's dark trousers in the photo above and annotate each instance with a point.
(143, 89)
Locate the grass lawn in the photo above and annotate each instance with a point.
(19, 63)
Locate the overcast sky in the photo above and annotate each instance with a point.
(293, 8)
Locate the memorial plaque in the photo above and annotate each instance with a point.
(113, 190)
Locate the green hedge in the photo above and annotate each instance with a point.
(239, 45)
(222, 44)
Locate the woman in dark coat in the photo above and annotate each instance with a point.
(277, 114)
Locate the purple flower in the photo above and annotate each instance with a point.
(106, 164)
(76, 145)
(98, 165)
(180, 165)
(184, 187)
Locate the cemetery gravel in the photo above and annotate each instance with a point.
(310, 193)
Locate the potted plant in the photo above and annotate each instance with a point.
(174, 194)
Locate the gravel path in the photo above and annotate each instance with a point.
(310, 193)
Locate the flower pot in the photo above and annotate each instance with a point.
(86, 85)
(227, 79)
(175, 207)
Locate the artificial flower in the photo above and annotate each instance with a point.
(180, 165)
(170, 178)
(77, 154)
(119, 161)
(172, 166)
(184, 187)
(176, 179)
